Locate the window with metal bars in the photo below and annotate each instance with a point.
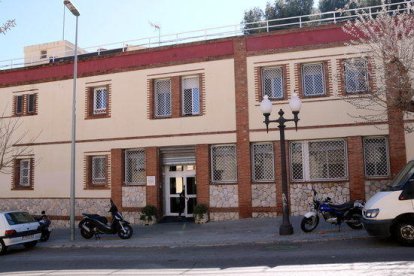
(376, 157)
(100, 100)
(162, 97)
(319, 160)
(19, 104)
(272, 82)
(191, 95)
(313, 80)
(223, 164)
(24, 174)
(99, 170)
(135, 167)
(356, 75)
(263, 162)
(31, 103)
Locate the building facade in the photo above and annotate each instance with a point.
(154, 122)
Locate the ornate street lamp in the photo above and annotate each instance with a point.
(266, 108)
(75, 12)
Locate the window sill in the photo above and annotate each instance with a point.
(97, 116)
(319, 181)
(134, 184)
(97, 187)
(21, 188)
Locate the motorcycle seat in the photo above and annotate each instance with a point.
(342, 207)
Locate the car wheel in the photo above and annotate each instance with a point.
(30, 244)
(3, 248)
(405, 233)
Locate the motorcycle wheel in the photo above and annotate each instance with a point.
(309, 224)
(87, 235)
(126, 233)
(356, 222)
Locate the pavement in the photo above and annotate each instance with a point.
(220, 233)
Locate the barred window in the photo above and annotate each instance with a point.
(356, 75)
(24, 172)
(263, 162)
(19, 104)
(319, 160)
(100, 100)
(191, 95)
(162, 98)
(313, 79)
(376, 157)
(31, 103)
(272, 79)
(99, 170)
(223, 163)
(135, 167)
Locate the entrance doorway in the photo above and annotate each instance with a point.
(180, 179)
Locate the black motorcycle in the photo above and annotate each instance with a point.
(349, 212)
(94, 225)
(44, 222)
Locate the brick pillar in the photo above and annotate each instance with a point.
(242, 129)
(203, 174)
(176, 97)
(356, 168)
(153, 169)
(117, 176)
(278, 177)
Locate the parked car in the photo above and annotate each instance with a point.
(390, 212)
(17, 227)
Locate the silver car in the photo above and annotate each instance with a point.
(17, 227)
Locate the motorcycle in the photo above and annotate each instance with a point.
(44, 222)
(94, 225)
(349, 212)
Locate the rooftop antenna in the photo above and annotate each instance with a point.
(63, 31)
(157, 27)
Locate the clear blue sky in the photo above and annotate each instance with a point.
(107, 21)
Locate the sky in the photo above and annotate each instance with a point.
(107, 21)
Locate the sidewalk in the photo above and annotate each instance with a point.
(187, 234)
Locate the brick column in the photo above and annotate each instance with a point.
(203, 174)
(356, 168)
(153, 169)
(242, 128)
(176, 97)
(117, 176)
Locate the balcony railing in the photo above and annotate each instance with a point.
(317, 19)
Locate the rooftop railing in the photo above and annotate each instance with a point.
(316, 19)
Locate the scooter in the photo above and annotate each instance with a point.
(94, 225)
(44, 222)
(349, 212)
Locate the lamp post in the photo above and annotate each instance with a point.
(75, 12)
(266, 108)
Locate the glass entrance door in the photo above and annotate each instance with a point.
(180, 190)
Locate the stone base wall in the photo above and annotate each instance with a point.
(218, 216)
(374, 186)
(263, 195)
(264, 214)
(134, 196)
(224, 196)
(301, 195)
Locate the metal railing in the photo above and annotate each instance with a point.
(331, 17)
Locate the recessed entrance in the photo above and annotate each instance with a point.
(180, 190)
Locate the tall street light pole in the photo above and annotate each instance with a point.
(266, 107)
(75, 12)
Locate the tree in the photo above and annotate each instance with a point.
(331, 5)
(388, 38)
(252, 21)
(7, 26)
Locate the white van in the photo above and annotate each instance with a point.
(391, 211)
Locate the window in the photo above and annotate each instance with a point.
(263, 162)
(135, 167)
(191, 95)
(99, 170)
(100, 100)
(23, 174)
(356, 75)
(43, 54)
(313, 80)
(162, 98)
(25, 104)
(376, 157)
(319, 160)
(223, 163)
(272, 82)
(19, 104)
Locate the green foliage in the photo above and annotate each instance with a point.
(200, 209)
(250, 19)
(332, 5)
(148, 211)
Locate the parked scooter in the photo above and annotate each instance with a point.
(94, 225)
(44, 222)
(349, 212)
